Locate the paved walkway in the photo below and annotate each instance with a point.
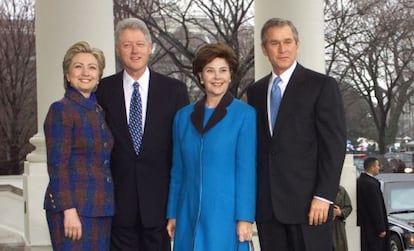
(13, 242)
(23, 248)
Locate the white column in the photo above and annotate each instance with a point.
(59, 24)
(348, 181)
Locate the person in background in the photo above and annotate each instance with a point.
(79, 199)
(140, 105)
(211, 204)
(400, 167)
(301, 146)
(371, 212)
(342, 209)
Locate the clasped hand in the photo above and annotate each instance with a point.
(318, 213)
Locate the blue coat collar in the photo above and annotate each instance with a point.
(197, 115)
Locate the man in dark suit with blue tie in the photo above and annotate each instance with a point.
(140, 105)
(301, 147)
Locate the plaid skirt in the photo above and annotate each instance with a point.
(96, 233)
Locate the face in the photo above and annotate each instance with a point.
(134, 51)
(375, 168)
(83, 73)
(216, 77)
(281, 48)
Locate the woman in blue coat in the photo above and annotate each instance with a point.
(212, 195)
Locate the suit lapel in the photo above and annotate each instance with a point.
(118, 105)
(262, 104)
(154, 106)
(289, 96)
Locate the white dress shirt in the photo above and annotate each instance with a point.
(143, 82)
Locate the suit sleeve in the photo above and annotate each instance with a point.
(331, 136)
(176, 171)
(346, 208)
(58, 134)
(376, 203)
(182, 96)
(246, 168)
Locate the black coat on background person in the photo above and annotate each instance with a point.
(371, 214)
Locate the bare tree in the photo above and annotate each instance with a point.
(179, 28)
(17, 83)
(370, 49)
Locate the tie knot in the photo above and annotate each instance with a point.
(277, 81)
(136, 85)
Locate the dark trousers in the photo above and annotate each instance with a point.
(275, 235)
(138, 238)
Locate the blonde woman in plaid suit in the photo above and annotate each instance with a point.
(79, 198)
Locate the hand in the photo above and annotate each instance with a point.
(72, 224)
(382, 234)
(171, 227)
(337, 211)
(318, 212)
(244, 231)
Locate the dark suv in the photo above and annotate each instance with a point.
(398, 191)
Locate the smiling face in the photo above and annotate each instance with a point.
(83, 73)
(216, 77)
(280, 48)
(134, 50)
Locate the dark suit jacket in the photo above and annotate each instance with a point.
(305, 155)
(371, 214)
(141, 182)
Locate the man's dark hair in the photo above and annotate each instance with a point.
(368, 162)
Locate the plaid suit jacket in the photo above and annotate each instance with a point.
(78, 146)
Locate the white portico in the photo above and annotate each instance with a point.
(59, 24)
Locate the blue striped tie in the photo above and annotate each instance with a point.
(135, 118)
(275, 98)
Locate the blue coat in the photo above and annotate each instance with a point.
(213, 177)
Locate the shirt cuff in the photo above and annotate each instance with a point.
(322, 199)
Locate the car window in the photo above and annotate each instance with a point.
(399, 196)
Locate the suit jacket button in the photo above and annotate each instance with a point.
(109, 180)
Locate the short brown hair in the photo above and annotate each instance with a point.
(81, 47)
(209, 52)
(278, 22)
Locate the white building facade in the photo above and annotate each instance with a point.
(59, 24)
